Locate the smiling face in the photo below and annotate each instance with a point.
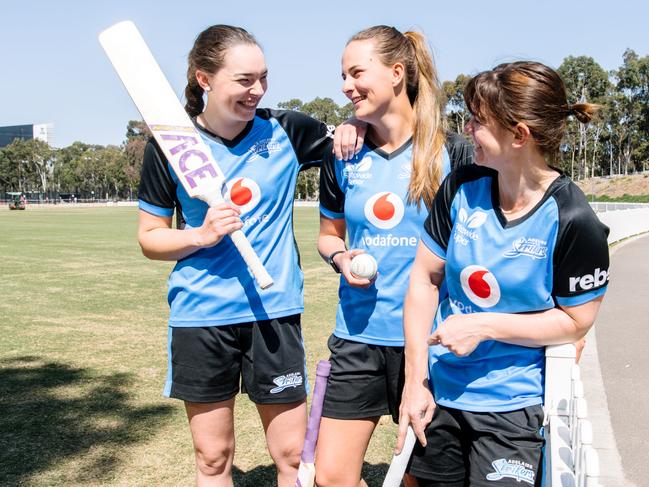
(237, 88)
(491, 142)
(367, 82)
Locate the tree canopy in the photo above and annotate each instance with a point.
(616, 142)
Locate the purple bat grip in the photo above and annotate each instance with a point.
(313, 426)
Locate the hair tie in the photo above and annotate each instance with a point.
(571, 109)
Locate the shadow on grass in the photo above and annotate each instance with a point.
(266, 475)
(51, 413)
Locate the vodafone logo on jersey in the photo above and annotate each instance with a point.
(480, 286)
(243, 193)
(384, 210)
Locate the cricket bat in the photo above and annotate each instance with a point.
(181, 143)
(399, 462)
(306, 471)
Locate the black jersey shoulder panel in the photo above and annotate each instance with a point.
(438, 224)
(156, 184)
(581, 248)
(332, 198)
(310, 138)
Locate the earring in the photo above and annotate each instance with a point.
(207, 89)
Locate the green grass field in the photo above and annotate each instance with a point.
(83, 357)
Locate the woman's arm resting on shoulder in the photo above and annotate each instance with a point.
(461, 334)
(348, 138)
(161, 242)
(417, 404)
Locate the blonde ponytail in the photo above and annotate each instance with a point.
(425, 95)
(429, 132)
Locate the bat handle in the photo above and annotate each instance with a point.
(400, 462)
(241, 243)
(252, 259)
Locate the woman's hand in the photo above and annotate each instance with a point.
(416, 409)
(220, 220)
(343, 261)
(348, 138)
(460, 334)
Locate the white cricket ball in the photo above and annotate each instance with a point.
(364, 266)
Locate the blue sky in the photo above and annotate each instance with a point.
(53, 69)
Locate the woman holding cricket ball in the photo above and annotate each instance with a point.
(525, 262)
(223, 330)
(380, 200)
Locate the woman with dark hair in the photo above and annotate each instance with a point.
(525, 261)
(223, 330)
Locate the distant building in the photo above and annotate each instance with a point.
(41, 131)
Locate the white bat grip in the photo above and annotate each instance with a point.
(243, 246)
(400, 462)
(252, 260)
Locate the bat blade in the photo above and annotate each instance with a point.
(181, 143)
(306, 471)
(400, 462)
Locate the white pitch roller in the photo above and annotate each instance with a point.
(364, 266)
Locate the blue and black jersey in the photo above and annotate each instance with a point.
(370, 193)
(557, 254)
(213, 286)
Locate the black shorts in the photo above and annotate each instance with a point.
(207, 364)
(481, 449)
(365, 380)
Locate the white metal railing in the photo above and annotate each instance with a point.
(625, 223)
(571, 459)
(602, 206)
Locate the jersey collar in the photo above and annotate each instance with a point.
(391, 155)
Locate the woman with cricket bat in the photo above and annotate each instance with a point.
(379, 200)
(525, 262)
(224, 330)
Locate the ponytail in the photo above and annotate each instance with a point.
(425, 95)
(584, 112)
(194, 96)
(429, 130)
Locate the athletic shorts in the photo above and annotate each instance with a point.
(207, 364)
(365, 380)
(481, 449)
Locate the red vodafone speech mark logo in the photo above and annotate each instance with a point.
(243, 193)
(480, 286)
(384, 210)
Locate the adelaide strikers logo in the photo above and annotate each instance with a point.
(243, 193)
(480, 286)
(384, 210)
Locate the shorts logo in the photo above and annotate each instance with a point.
(513, 469)
(263, 148)
(531, 247)
(243, 193)
(480, 286)
(384, 210)
(294, 379)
